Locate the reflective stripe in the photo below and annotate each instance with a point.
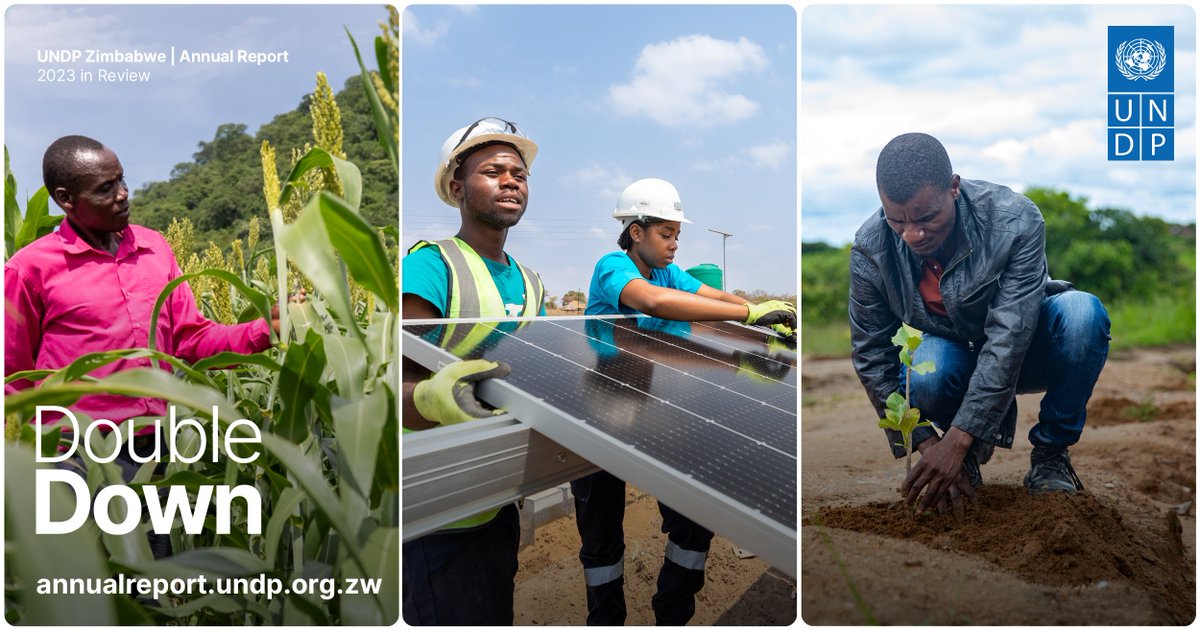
(480, 297)
(598, 576)
(693, 560)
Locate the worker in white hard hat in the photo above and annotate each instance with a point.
(642, 278)
(463, 574)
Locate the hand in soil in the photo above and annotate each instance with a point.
(939, 470)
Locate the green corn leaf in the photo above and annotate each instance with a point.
(348, 361)
(382, 550)
(299, 381)
(381, 61)
(123, 549)
(384, 130)
(12, 210)
(281, 515)
(140, 383)
(361, 249)
(252, 295)
(31, 557)
(38, 221)
(232, 359)
(359, 427)
(348, 174)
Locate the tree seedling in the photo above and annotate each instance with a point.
(900, 415)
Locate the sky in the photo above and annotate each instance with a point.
(701, 96)
(156, 124)
(1017, 94)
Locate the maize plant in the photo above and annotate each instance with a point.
(900, 414)
(325, 462)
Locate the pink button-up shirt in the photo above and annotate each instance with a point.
(63, 299)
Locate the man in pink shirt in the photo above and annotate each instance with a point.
(91, 286)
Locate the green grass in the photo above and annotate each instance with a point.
(825, 338)
(1161, 321)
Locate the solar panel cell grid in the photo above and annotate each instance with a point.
(719, 406)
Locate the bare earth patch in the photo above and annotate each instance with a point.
(1121, 553)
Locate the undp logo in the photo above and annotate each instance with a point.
(1141, 99)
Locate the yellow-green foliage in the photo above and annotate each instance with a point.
(222, 304)
(181, 236)
(270, 181)
(252, 238)
(326, 118)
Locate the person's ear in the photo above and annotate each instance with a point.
(64, 199)
(456, 190)
(635, 233)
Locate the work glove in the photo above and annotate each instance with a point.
(448, 397)
(783, 329)
(772, 312)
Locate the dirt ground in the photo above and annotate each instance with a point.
(1121, 553)
(737, 591)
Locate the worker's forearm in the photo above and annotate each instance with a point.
(685, 306)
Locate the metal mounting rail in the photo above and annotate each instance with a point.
(454, 472)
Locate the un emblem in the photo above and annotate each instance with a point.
(1140, 58)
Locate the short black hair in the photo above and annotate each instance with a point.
(625, 241)
(61, 158)
(462, 158)
(910, 162)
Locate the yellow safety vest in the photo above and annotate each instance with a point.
(477, 296)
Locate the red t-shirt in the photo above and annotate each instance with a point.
(930, 291)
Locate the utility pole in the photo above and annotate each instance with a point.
(724, 237)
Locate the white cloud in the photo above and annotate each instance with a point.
(678, 83)
(467, 9)
(416, 33)
(770, 154)
(606, 181)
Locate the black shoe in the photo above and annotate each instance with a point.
(971, 468)
(1050, 471)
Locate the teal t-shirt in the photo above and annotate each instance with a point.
(615, 270)
(426, 275)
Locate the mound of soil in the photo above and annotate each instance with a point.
(1121, 553)
(1057, 540)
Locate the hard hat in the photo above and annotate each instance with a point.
(650, 197)
(477, 133)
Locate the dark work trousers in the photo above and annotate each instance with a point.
(599, 515)
(463, 577)
(143, 446)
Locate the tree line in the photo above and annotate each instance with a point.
(220, 190)
(1111, 252)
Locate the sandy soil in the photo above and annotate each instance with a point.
(1121, 553)
(737, 591)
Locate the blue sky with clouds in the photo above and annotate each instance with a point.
(156, 124)
(1016, 93)
(702, 96)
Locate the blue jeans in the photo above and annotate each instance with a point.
(463, 577)
(1068, 350)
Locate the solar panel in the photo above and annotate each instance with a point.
(702, 416)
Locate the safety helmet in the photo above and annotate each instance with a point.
(650, 197)
(466, 138)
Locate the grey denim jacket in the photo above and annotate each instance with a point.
(992, 290)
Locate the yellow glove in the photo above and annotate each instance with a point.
(772, 312)
(448, 397)
(785, 330)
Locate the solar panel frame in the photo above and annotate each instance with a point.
(750, 528)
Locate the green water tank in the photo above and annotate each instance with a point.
(708, 273)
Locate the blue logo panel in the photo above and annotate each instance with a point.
(1141, 59)
(1123, 145)
(1124, 110)
(1158, 110)
(1158, 145)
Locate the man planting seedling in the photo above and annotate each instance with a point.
(964, 261)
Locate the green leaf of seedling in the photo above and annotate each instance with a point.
(896, 404)
(901, 336)
(924, 423)
(906, 356)
(924, 367)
